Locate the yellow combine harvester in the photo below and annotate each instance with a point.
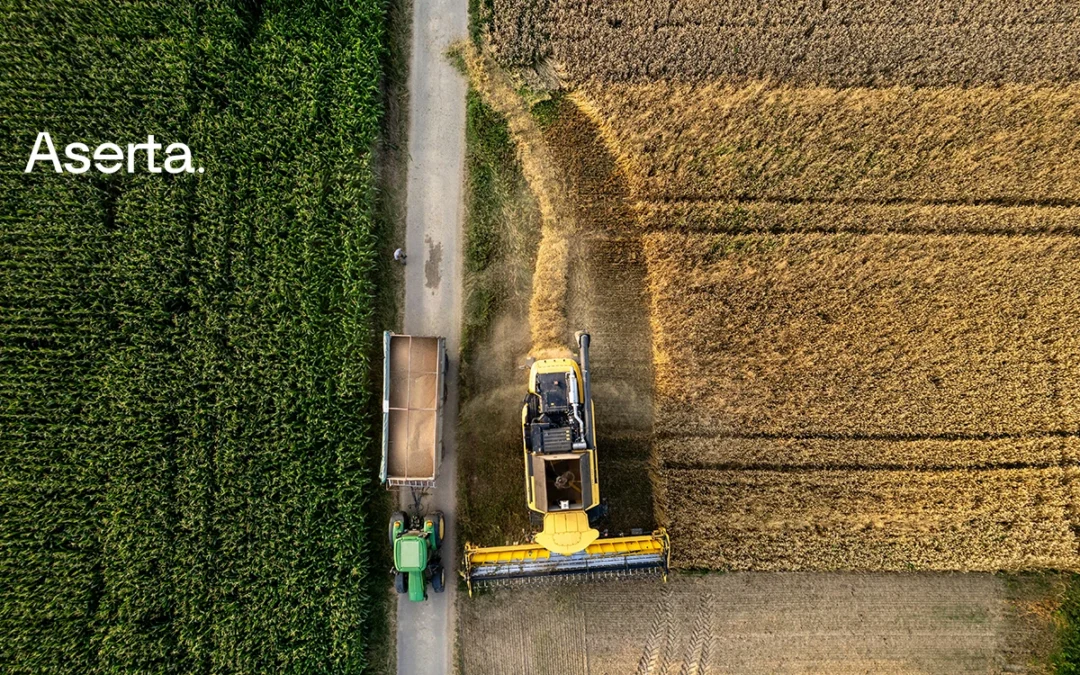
(562, 487)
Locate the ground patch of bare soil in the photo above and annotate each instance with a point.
(766, 623)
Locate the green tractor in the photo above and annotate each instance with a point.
(416, 543)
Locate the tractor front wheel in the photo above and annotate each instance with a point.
(401, 583)
(438, 579)
(399, 517)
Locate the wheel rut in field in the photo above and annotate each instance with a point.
(659, 639)
(697, 657)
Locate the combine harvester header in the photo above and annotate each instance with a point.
(614, 557)
(562, 486)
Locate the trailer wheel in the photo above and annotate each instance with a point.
(446, 371)
(401, 583)
(438, 579)
(398, 517)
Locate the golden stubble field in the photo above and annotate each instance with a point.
(765, 622)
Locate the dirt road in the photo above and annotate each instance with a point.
(433, 288)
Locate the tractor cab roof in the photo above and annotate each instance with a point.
(411, 553)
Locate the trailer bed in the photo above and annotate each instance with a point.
(413, 388)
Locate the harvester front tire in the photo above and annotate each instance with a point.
(438, 579)
(401, 583)
(398, 517)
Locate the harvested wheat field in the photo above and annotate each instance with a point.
(765, 623)
(877, 42)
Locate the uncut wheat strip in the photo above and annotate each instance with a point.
(870, 520)
(1012, 145)
(831, 217)
(855, 335)
(681, 39)
(840, 56)
(869, 43)
(719, 451)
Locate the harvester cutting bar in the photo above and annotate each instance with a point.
(618, 556)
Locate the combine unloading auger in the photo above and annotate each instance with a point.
(562, 486)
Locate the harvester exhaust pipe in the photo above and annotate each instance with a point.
(583, 344)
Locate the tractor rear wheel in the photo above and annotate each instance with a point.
(440, 529)
(438, 579)
(398, 517)
(401, 583)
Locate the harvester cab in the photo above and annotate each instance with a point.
(416, 542)
(562, 488)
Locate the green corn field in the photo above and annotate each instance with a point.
(185, 440)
